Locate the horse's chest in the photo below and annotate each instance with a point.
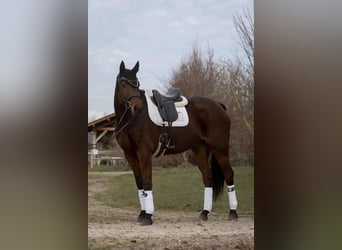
(124, 141)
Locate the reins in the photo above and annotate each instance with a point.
(121, 119)
(127, 107)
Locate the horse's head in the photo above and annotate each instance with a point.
(127, 87)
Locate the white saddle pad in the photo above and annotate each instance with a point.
(153, 113)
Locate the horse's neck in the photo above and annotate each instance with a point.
(119, 105)
(119, 110)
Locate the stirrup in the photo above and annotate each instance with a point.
(170, 146)
(165, 140)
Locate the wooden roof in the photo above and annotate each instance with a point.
(105, 123)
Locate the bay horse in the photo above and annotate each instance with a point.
(207, 135)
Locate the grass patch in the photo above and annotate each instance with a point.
(179, 189)
(110, 168)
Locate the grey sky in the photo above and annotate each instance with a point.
(158, 34)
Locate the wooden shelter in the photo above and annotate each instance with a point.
(98, 129)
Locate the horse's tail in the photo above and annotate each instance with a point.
(218, 178)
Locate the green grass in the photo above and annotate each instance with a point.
(105, 168)
(180, 189)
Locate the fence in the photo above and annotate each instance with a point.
(104, 158)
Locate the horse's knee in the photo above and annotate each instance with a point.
(226, 167)
(139, 184)
(147, 185)
(231, 177)
(207, 180)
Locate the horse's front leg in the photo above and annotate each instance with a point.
(133, 161)
(145, 162)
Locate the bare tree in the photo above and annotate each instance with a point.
(230, 82)
(244, 25)
(239, 99)
(197, 74)
(243, 86)
(238, 82)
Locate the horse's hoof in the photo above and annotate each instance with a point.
(146, 221)
(233, 215)
(204, 215)
(141, 216)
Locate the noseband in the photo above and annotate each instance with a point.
(133, 83)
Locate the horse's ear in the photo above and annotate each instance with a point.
(122, 67)
(136, 67)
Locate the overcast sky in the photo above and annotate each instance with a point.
(158, 33)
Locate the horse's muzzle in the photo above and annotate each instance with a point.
(135, 104)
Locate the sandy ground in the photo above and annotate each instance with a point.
(117, 228)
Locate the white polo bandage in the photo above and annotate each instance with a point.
(149, 206)
(208, 198)
(141, 198)
(232, 197)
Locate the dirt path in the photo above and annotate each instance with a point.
(112, 228)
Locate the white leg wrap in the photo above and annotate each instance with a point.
(141, 198)
(149, 206)
(232, 197)
(208, 198)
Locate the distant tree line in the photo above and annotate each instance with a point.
(229, 81)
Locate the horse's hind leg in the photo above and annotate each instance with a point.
(132, 160)
(201, 152)
(224, 162)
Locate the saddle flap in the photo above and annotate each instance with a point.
(166, 107)
(171, 113)
(155, 116)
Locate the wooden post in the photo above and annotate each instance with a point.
(92, 158)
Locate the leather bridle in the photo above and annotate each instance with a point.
(134, 83)
(127, 101)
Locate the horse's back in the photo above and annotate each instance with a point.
(209, 108)
(211, 118)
